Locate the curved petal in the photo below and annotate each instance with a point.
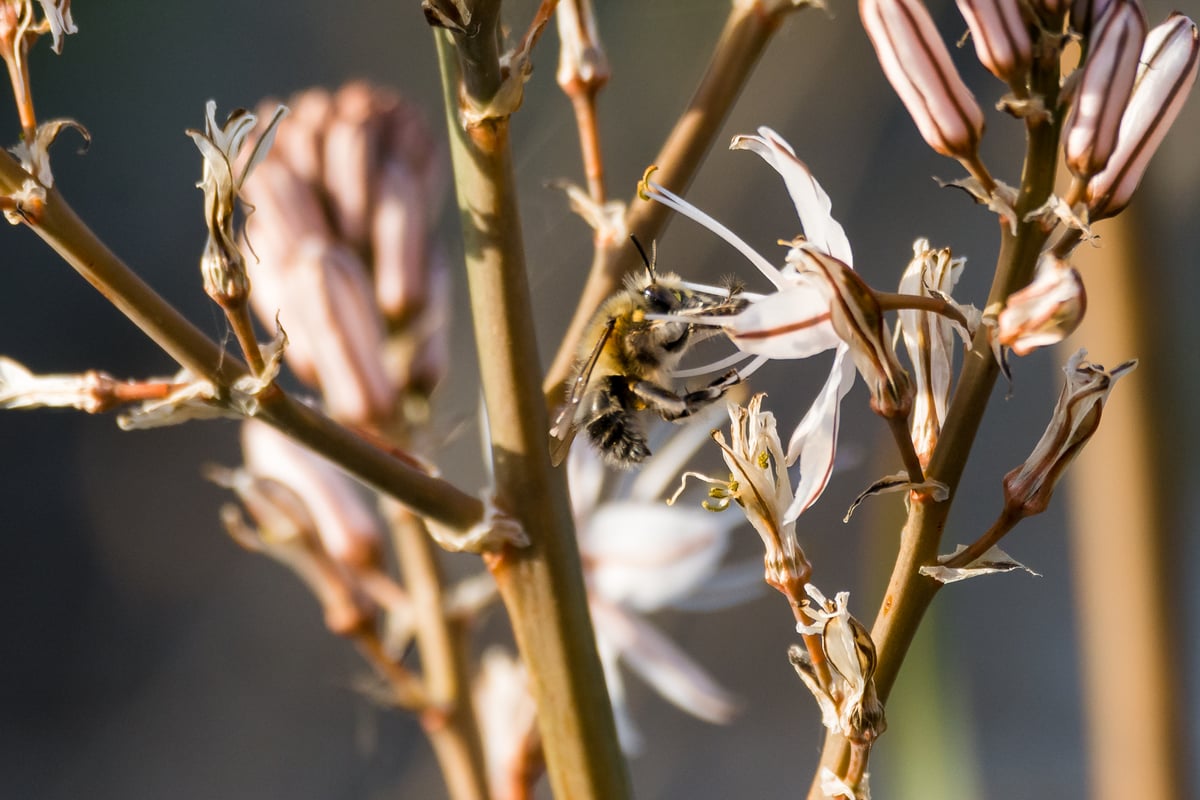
(812, 203)
(814, 442)
(791, 323)
(646, 556)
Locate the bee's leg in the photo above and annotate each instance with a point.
(672, 406)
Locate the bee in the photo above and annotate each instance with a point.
(626, 360)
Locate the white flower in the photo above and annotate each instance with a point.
(641, 556)
(795, 321)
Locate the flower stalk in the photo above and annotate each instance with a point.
(582, 755)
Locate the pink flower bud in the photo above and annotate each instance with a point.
(352, 159)
(332, 308)
(1090, 134)
(915, 60)
(1046, 311)
(1165, 76)
(1001, 37)
(347, 529)
(1086, 14)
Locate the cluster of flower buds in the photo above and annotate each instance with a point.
(1118, 105)
(345, 205)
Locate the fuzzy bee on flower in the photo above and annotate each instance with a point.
(633, 345)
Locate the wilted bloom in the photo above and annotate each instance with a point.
(641, 556)
(58, 19)
(849, 705)
(915, 60)
(1001, 37)
(1046, 311)
(1166, 73)
(1090, 133)
(929, 339)
(794, 321)
(222, 264)
(344, 211)
(349, 532)
(1076, 417)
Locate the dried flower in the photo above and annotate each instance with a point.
(1076, 417)
(929, 339)
(58, 19)
(222, 264)
(849, 705)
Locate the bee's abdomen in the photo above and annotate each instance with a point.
(613, 426)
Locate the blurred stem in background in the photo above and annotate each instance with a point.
(1129, 622)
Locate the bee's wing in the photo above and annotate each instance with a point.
(562, 432)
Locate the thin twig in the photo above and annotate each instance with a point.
(59, 226)
(743, 40)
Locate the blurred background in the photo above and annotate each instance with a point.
(144, 655)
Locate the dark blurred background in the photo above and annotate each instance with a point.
(144, 655)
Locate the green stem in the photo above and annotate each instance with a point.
(542, 585)
(909, 593)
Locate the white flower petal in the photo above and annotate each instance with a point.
(813, 205)
(993, 561)
(791, 323)
(646, 556)
(665, 667)
(814, 443)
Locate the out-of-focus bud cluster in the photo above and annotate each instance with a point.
(307, 516)
(344, 210)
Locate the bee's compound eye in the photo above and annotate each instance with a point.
(659, 298)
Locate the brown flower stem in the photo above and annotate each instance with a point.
(542, 584)
(450, 723)
(894, 301)
(583, 100)
(743, 40)
(74, 241)
(1007, 520)
(902, 435)
(14, 49)
(243, 329)
(909, 593)
(407, 691)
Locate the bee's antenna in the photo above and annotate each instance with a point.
(649, 262)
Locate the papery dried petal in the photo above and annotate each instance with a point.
(915, 60)
(1166, 74)
(58, 16)
(1076, 417)
(1090, 133)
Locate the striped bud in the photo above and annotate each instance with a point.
(915, 60)
(1001, 37)
(1086, 14)
(1166, 74)
(1108, 75)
